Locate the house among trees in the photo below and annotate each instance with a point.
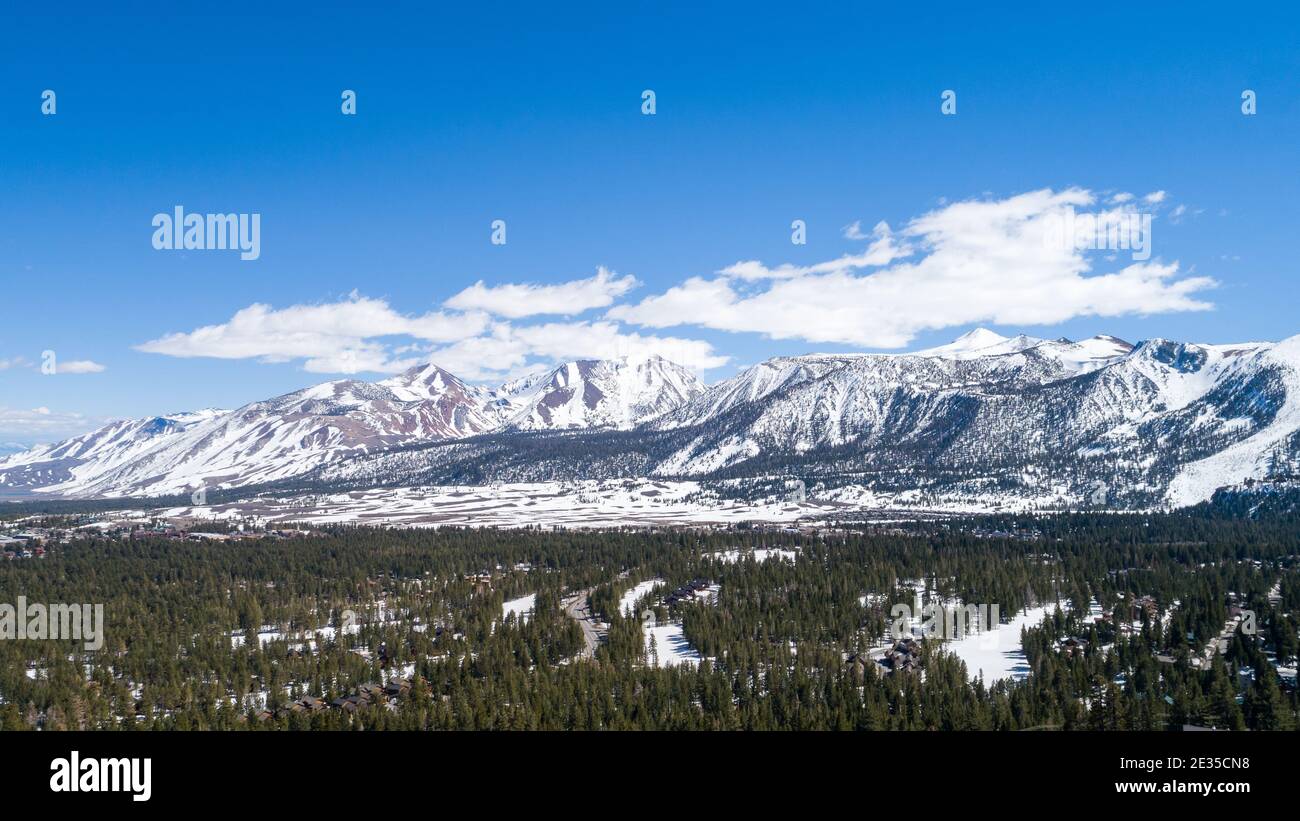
(687, 592)
(397, 687)
(904, 656)
(1073, 646)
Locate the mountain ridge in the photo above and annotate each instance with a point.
(1156, 423)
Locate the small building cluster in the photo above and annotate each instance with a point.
(903, 657)
(687, 592)
(367, 695)
(25, 545)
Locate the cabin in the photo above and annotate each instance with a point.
(1073, 646)
(904, 656)
(397, 687)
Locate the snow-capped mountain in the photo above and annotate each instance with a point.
(1033, 423)
(100, 452)
(292, 434)
(260, 442)
(618, 393)
(1051, 423)
(1055, 420)
(981, 342)
(752, 385)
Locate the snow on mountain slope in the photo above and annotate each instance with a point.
(1086, 355)
(1015, 419)
(1015, 357)
(268, 440)
(1079, 357)
(1068, 421)
(619, 393)
(1251, 457)
(751, 385)
(97, 453)
(898, 397)
(295, 433)
(447, 406)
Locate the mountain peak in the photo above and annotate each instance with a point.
(421, 373)
(981, 342)
(619, 392)
(427, 381)
(979, 338)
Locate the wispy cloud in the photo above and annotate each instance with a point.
(71, 366)
(853, 230)
(884, 249)
(81, 366)
(517, 300)
(25, 426)
(13, 362)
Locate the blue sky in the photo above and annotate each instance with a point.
(533, 116)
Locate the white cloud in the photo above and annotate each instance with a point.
(360, 335)
(980, 261)
(882, 251)
(27, 426)
(516, 300)
(338, 337)
(80, 366)
(72, 366)
(853, 230)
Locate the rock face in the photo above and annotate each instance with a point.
(619, 393)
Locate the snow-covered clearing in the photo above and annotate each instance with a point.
(521, 608)
(666, 646)
(760, 555)
(996, 654)
(627, 603)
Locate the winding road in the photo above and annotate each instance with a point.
(578, 608)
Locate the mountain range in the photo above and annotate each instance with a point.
(985, 419)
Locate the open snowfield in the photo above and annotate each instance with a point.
(521, 608)
(609, 503)
(670, 646)
(1247, 458)
(760, 555)
(627, 603)
(996, 654)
